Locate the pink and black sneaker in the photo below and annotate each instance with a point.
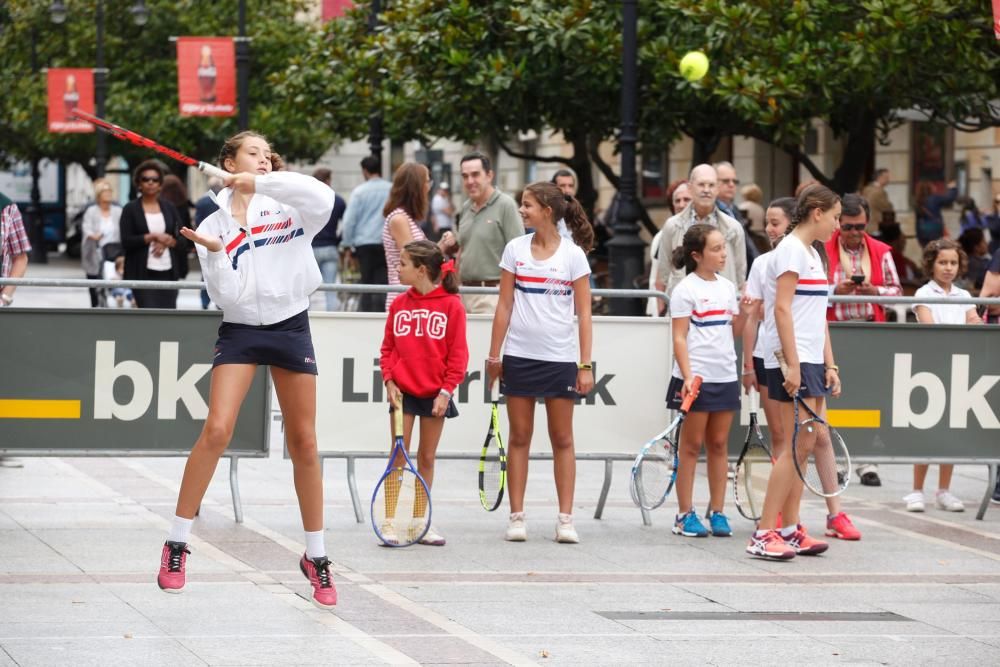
(317, 571)
(172, 564)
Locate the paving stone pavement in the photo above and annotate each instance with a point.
(80, 544)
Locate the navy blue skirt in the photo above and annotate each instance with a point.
(813, 382)
(424, 407)
(286, 344)
(759, 371)
(712, 397)
(535, 378)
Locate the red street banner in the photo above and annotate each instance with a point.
(996, 18)
(333, 9)
(206, 76)
(70, 89)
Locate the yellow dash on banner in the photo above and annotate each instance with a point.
(39, 409)
(855, 418)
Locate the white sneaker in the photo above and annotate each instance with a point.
(947, 502)
(565, 532)
(516, 531)
(432, 538)
(914, 501)
(389, 533)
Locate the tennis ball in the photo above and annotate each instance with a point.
(694, 65)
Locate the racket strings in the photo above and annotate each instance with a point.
(654, 474)
(752, 474)
(821, 458)
(400, 507)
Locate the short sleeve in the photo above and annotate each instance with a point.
(922, 291)
(994, 266)
(509, 258)
(578, 264)
(734, 299)
(755, 283)
(681, 301)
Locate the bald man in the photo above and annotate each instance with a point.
(704, 186)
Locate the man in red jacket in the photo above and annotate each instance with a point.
(860, 264)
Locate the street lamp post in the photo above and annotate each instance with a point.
(626, 248)
(243, 68)
(375, 121)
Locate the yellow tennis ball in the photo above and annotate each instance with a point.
(694, 65)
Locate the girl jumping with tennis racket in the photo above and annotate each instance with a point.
(256, 255)
(795, 301)
(544, 279)
(705, 316)
(424, 354)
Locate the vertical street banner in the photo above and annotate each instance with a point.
(334, 9)
(996, 18)
(206, 76)
(70, 89)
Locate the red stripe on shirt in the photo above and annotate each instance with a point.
(549, 281)
(709, 313)
(235, 242)
(813, 281)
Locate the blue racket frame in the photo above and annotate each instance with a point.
(399, 446)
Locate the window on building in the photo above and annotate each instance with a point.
(933, 155)
(655, 172)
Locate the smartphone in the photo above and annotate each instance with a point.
(858, 279)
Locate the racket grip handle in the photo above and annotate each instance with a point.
(212, 170)
(689, 399)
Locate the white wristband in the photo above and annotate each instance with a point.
(445, 393)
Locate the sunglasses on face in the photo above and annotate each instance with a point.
(150, 179)
(860, 227)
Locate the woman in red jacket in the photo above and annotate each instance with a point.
(424, 352)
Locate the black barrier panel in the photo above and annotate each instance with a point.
(115, 382)
(912, 392)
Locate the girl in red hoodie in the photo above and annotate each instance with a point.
(424, 352)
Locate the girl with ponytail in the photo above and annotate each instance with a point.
(796, 293)
(425, 353)
(544, 280)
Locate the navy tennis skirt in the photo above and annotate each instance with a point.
(813, 382)
(759, 371)
(535, 378)
(286, 344)
(712, 397)
(424, 407)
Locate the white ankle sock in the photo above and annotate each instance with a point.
(787, 531)
(517, 516)
(565, 518)
(180, 529)
(315, 546)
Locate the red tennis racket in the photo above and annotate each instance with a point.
(137, 139)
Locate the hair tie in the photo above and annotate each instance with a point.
(568, 198)
(448, 267)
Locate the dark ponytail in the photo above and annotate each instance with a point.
(428, 255)
(694, 241)
(814, 197)
(567, 208)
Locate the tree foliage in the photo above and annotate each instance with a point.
(142, 79)
(489, 69)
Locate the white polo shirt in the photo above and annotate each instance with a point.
(944, 313)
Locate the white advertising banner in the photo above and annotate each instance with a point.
(626, 407)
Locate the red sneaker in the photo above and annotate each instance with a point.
(770, 545)
(173, 560)
(840, 526)
(805, 545)
(317, 571)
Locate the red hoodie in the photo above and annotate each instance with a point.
(424, 348)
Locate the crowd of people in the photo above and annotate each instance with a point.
(731, 269)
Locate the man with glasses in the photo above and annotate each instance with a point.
(861, 265)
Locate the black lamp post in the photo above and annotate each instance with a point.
(375, 121)
(626, 249)
(243, 68)
(140, 15)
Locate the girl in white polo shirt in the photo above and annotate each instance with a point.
(705, 316)
(944, 261)
(796, 292)
(544, 280)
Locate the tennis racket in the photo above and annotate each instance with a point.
(401, 503)
(138, 140)
(753, 467)
(492, 464)
(821, 459)
(655, 468)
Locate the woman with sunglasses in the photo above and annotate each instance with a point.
(150, 236)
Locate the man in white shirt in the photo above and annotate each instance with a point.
(442, 209)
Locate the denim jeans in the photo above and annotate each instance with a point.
(329, 262)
